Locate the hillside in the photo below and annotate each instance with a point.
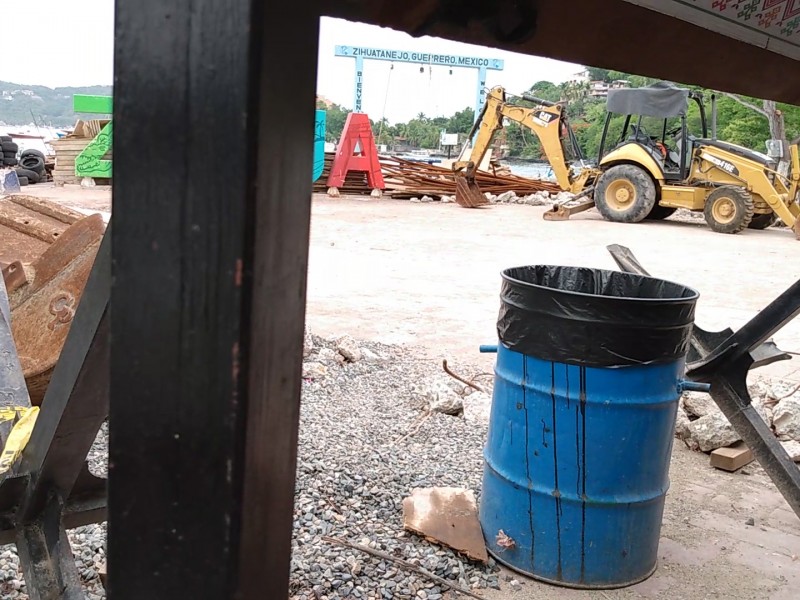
(21, 104)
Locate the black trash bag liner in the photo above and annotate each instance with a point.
(594, 317)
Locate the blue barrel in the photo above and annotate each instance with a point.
(587, 382)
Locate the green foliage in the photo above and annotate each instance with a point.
(51, 107)
(736, 123)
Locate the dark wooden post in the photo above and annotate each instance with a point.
(213, 131)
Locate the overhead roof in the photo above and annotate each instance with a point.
(660, 100)
(690, 42)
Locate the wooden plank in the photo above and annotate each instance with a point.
(203, 447)
(731, 458)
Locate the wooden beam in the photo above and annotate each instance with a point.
(214, 122)
(613, 34)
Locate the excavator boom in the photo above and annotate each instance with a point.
(547, 121)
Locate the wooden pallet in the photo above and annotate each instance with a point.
(67, 149)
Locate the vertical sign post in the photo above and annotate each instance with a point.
(359, 84)
(481, 64)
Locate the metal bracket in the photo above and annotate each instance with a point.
(51, 488)
(722, 359)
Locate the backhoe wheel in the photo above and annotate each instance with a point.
(660, 212)
(761, 221)
(625, 194)
(729, 209)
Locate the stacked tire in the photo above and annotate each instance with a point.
(9, 149)
(31, 167)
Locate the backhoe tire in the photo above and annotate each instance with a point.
(625, 194)
(660, 213)
(729, 209)
(761, 221)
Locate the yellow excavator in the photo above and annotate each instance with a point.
(648, 167)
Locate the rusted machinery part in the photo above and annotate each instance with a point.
(47, 251)
(562, 212)
(28, 225)
(468, 194)
(42, 309)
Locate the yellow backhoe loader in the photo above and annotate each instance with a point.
(649, 168)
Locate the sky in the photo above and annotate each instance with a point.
(71, 43)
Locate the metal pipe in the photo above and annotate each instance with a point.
(693, 386)
(713, 116)
(488, 349)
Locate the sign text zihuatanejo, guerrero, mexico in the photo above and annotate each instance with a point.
(449, 60)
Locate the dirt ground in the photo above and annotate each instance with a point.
(428, 276)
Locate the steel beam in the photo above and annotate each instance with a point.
(723, 359)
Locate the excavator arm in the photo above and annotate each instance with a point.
(547, 121)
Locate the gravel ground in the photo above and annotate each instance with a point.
(365, 443)
(88, 543)
(363, 447)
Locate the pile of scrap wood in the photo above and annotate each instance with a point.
(407, 178)
(68, 148)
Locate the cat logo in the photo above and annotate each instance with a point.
(722, 164)
(543, 118)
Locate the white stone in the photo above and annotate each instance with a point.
(506, 197)
(699, 404)
(447, 199)
(786, 418)
(327, 355)
(477, 408)
(426, 199)
(563, 197)
(314, 370)
(792, 448)
(713, 431)
(438, 396)
(347, 347)
(308, 344)
(414, 199)
(682, 430)
(370, 356)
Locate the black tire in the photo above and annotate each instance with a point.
(761, 221)
(5, 138)
(32, 152)
(625, 194)
(9, 147)
(33, 176)
(10, 154)
(22, 180)
(729, 209)
(32, 163)
(660, 213)
(10, 161)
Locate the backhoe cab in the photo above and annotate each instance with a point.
(649, 163)
(655, 165)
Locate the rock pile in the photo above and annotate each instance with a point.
(702, 426)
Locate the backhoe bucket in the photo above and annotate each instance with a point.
(46, 254)
(468, 194)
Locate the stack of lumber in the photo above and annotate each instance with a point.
(408, 178)
(355, 183)
(69, 147)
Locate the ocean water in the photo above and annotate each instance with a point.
(525, 168)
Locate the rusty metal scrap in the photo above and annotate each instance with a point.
(46, 253)
(408, 178)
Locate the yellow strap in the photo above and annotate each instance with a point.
(19, 436)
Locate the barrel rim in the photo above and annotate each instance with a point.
(695, 295)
